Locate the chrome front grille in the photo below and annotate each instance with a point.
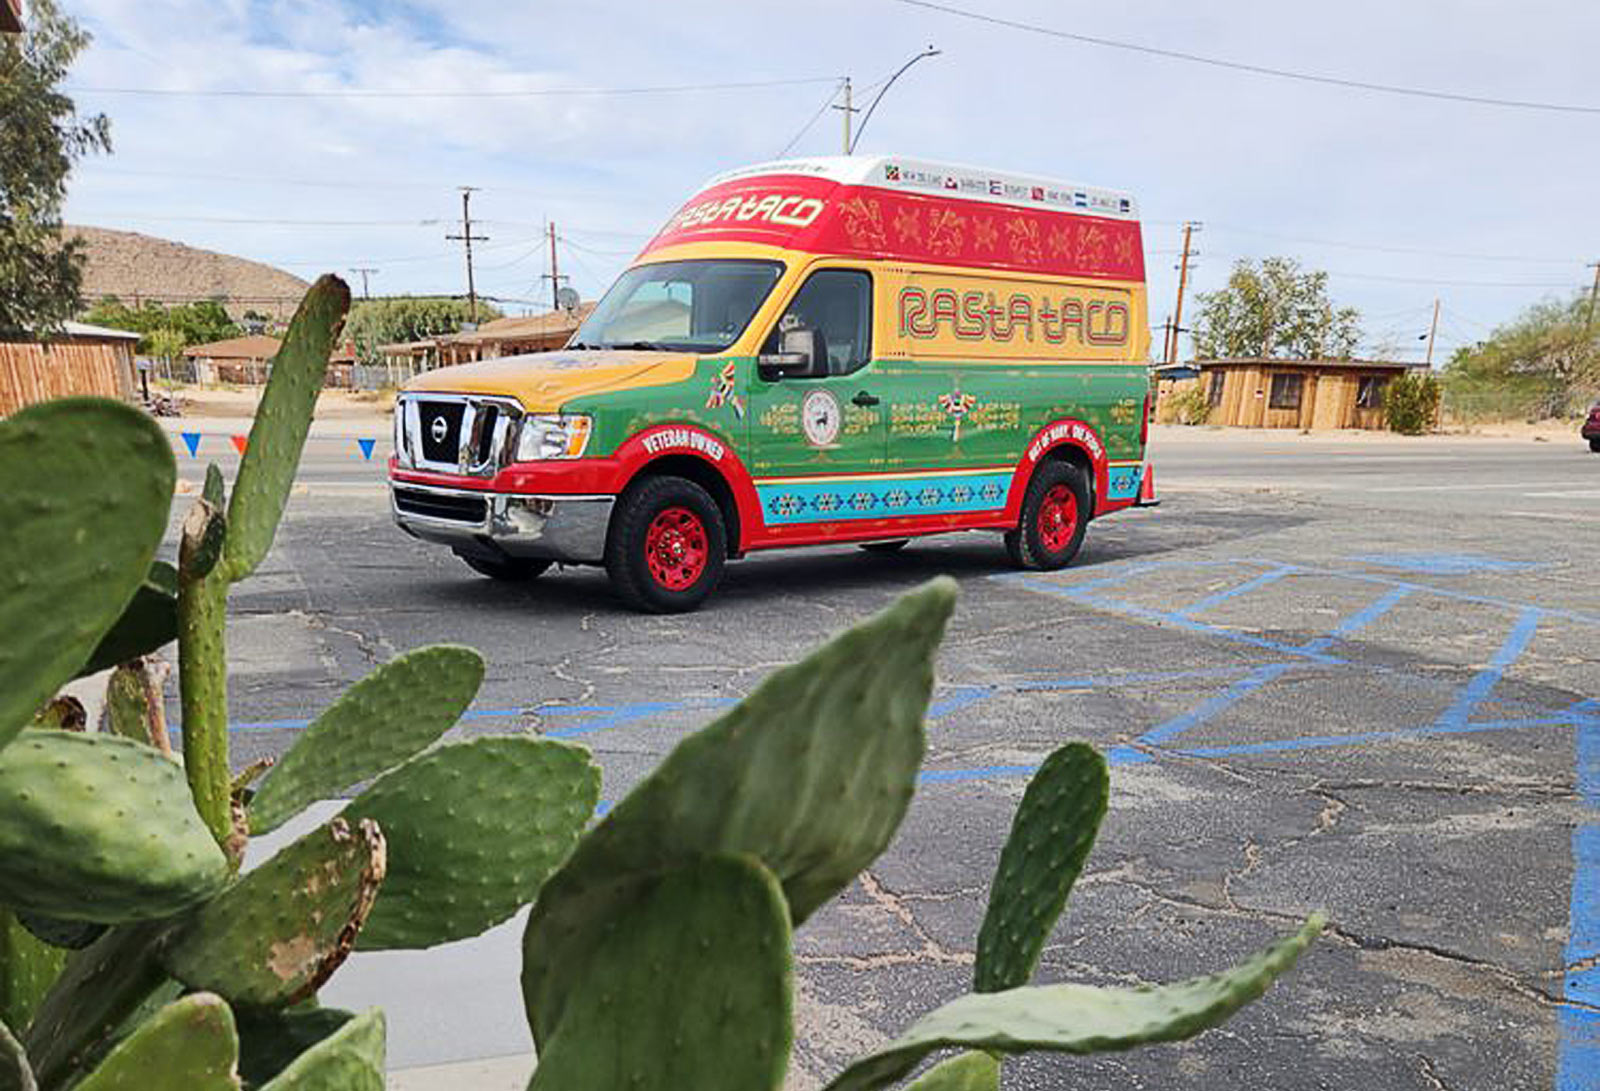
(456, 433)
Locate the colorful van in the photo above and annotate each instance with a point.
(814, 351)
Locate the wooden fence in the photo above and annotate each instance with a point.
(31, 372)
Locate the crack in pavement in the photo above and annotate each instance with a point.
(932, 951)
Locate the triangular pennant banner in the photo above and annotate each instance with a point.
(191, 440)
(239, 443)
(366, 446)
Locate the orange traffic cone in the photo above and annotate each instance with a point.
(1147, 488)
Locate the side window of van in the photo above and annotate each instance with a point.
(839, 303)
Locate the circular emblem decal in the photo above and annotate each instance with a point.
(820, 417)
(439, 429)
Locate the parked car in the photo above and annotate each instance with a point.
(1591, 428)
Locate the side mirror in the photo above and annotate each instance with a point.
(802, 353)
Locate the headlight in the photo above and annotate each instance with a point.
(552, 436)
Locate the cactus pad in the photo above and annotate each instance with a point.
(969, 1071)
(811, 774)
(1051, 835)
(391, 714)
(28, 966)
(15, 1072)
(271, 1039)
(279, 932)
(189, 1045)
(78, 539)
(149, 622)
(67, 935)
(349, 1059)
(474, 830)
(1079, 1018)
(98, 828)
(283, 418)
(690, 990)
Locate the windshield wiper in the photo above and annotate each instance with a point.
(579, 346)
(642, 346)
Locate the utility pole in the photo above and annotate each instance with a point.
(1595, 291)
(1189, 228)
(363, 274)
(554, 276)
(1166, 339)
(1433, 328)
(848, 110)
(469, 238)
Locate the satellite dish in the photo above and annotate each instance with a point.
(567, 298)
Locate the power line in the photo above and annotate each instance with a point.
(1385, 249)
(806, 128)
(1454, 283)
(363, 92)
(269, 221)
(1256, 69)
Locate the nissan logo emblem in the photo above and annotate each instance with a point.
(438, 429)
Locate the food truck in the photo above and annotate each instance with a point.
(817, 351)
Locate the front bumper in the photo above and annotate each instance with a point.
(571, 529)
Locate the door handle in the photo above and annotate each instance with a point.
(863, 398)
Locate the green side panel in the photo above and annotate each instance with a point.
(28, 967)
(149, 622)
(283, 417)
(474, 830)
(98, 828)
(279, 932)
(811, 774)
(393, 713)
(1051, 835)
(271, 1039)
(1078, 1018)
(189, 1045)
(624, 413)
(970, 1071)
(691, 991)
(85, 485)
(350, 1059)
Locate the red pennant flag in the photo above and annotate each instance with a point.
(239, 443)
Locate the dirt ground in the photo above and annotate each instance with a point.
(201, 402)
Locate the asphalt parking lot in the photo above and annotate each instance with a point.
(1350, 674)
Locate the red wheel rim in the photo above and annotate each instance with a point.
(676, 549)
(1058, 518)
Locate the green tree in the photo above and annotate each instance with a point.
(1274, 310)
(389, 321)
(184, 325)
(41, 136)
(1544, 363)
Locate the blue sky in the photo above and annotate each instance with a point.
(1401, 199)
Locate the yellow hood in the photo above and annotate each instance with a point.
(544, 382)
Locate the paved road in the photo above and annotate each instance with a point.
(1347, 674)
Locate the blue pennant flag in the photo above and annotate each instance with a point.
(191, 440)
(366, 448)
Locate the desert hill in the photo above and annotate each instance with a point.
(135, 267)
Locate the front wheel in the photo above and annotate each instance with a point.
(894, 546)
(667, 546)
(1055, 514)
(1594, 445)
(510, 569)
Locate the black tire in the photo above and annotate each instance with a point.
(1039, 543)
(887, 547)
(661, 562)
(510, 569)
(1594, 445)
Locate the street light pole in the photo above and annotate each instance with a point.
(850, 147)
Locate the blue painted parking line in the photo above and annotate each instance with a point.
(1578, 1066)
(1358, 620)
(1471, 695)
(1255, 583)
(1214, 704)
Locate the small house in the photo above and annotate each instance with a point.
(1300, 394)
(242, 360)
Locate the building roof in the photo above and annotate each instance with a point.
(103, 333)
(533, 325)
(1350, 365)
(256, 346)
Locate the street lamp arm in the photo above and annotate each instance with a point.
(929, 52)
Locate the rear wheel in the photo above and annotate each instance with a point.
(1055, 514)
(887, 547)
(511, 569)
(667, 546)
(1594, 445)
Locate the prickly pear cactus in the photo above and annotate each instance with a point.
(278, 933)
(350, 1059)
(714, 934)
(810, 774)
(390, 715)
(189, 1045)
(1051, 835)
(15, 1072)
(969, 1071)
(1078, 1018)
(98, 828)
(28, 966)
(78, 540)
(475, 828)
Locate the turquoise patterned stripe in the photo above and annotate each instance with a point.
(864, 498)
(1123, 482)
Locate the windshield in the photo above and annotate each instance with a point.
(686, 306)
